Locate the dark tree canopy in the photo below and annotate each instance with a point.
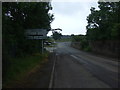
(19, 16)
(16, 18)
(104, 24)
(57, 35)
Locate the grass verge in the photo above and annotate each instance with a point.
(19, 67)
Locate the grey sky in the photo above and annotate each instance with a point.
(71, 16)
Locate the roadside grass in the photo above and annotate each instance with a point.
(87, 49)
(21, 66)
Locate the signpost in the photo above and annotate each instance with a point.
(38, 34)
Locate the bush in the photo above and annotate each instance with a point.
(88, 49)
(115, 31)
(83, 42)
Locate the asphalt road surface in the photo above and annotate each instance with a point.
(76, 69)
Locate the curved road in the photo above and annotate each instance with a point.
(77, 69)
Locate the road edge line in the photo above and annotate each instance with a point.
(52, 74)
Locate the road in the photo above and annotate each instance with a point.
(77, 69)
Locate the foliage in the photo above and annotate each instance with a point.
(115, 31)
(16, 18)
(76, 38)
(83, 42)
(103, 24)
(21, 66)
(57, 35)
(19, 16)
(50, 39)
(64, 40)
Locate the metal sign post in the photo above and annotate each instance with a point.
(42, 46)
(38, 34)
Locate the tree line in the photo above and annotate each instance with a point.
(104, 24)
(16, 18)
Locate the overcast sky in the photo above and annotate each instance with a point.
(71, 16)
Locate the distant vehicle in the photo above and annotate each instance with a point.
(47, 43)
(54, 42)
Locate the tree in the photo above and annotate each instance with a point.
(19, 16)
(101, 22)
(56, 35)
(16, 18)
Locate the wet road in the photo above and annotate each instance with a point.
(77, 69)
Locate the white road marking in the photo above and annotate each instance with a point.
(52, 74)
(80, 60)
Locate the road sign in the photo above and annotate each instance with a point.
(36, 33)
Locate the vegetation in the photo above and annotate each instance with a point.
(16, 18)
(19, 67)
(104, 24)
(57, 35)
(82, 40)
(50, 39)
(64, 40)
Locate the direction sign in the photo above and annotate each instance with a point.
(36, 33)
